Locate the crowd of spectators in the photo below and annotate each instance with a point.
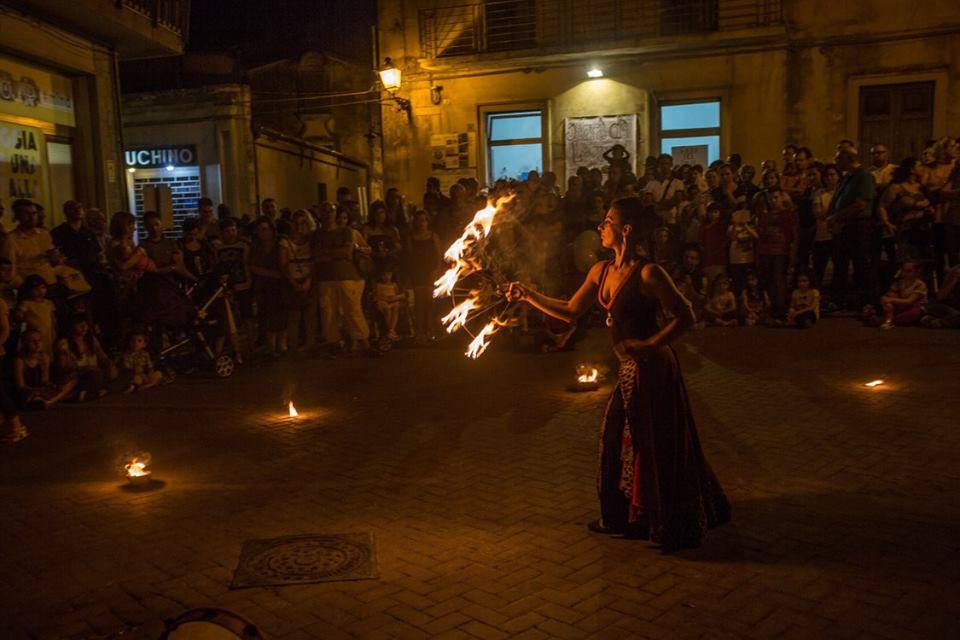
(877, 240)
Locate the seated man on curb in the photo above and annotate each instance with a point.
(944, 312)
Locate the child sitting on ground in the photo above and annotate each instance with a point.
(804, 304)
(754, 301)
(32, 374)
(388, 297)
(38, 312)
(722, 306)
(903, 303)
(137, 365)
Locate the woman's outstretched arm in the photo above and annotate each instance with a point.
(566, 310)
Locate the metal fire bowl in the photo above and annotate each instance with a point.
(140, 481)
(580, 387)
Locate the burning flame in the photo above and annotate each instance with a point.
(136, 468)
(477, 230)
(292, 410)
(874, 383)
(458, 317)
(482, 341)
(589, 375)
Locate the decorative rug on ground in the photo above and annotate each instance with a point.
(306, 558)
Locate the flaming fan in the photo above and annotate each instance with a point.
(474, 289)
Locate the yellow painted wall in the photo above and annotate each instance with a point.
(293, 180)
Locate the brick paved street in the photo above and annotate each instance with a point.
(477, 478)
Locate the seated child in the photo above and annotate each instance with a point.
(32, 374)
(721, 308)
(79, 355)
(388, 297)
(38, 312)
(804, 304)
(903, 303)
(754, 301)
(137, 365)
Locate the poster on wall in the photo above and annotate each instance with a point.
(587, 138)
(690, 154)
(22, 173)
(453, 151)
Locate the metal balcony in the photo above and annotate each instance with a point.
(137, 28)
(577, 25)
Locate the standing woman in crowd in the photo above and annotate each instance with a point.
(423, 260)
(297, 265)
(777, 230)
(129, 262)
(381, 235)
(903, 208)
(268, 286)
(396, 215)
(823, 236)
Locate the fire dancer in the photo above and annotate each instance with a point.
(653, 482)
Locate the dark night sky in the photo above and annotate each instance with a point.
(264, 30)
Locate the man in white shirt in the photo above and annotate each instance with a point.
(880, 165)
(665, 191)
(30, 247)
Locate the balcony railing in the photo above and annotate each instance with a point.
(172, 14)
(517, 25)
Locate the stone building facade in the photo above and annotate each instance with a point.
(702, 77)
(60, 123)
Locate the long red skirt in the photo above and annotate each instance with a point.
(653, 479)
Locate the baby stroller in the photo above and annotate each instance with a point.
(183, 332)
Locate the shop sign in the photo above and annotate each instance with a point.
(21, 162)
(159, 157)
(28, 92)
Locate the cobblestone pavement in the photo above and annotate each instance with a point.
(477, 478)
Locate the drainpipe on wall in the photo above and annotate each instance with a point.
(119, 172)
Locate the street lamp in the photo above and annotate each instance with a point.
(390, 77)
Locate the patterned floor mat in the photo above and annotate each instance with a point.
(306, 558)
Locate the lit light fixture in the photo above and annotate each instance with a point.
(390, 77)
(595, 72)
(170, 167)
(131, 169)
(874, 383)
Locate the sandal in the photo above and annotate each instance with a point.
(597, 526)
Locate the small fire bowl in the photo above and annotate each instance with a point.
(580, 387)
(141, 480)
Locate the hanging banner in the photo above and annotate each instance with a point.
(22, 173)
(29, 92)
(587, 138)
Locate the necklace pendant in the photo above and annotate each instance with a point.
(609, 320)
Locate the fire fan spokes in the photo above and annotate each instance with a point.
(474, 286)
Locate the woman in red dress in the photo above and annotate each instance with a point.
(653, 482)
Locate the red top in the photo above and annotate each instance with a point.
(778, 230)
(713, 238)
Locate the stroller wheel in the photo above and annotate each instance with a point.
(223, 366)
